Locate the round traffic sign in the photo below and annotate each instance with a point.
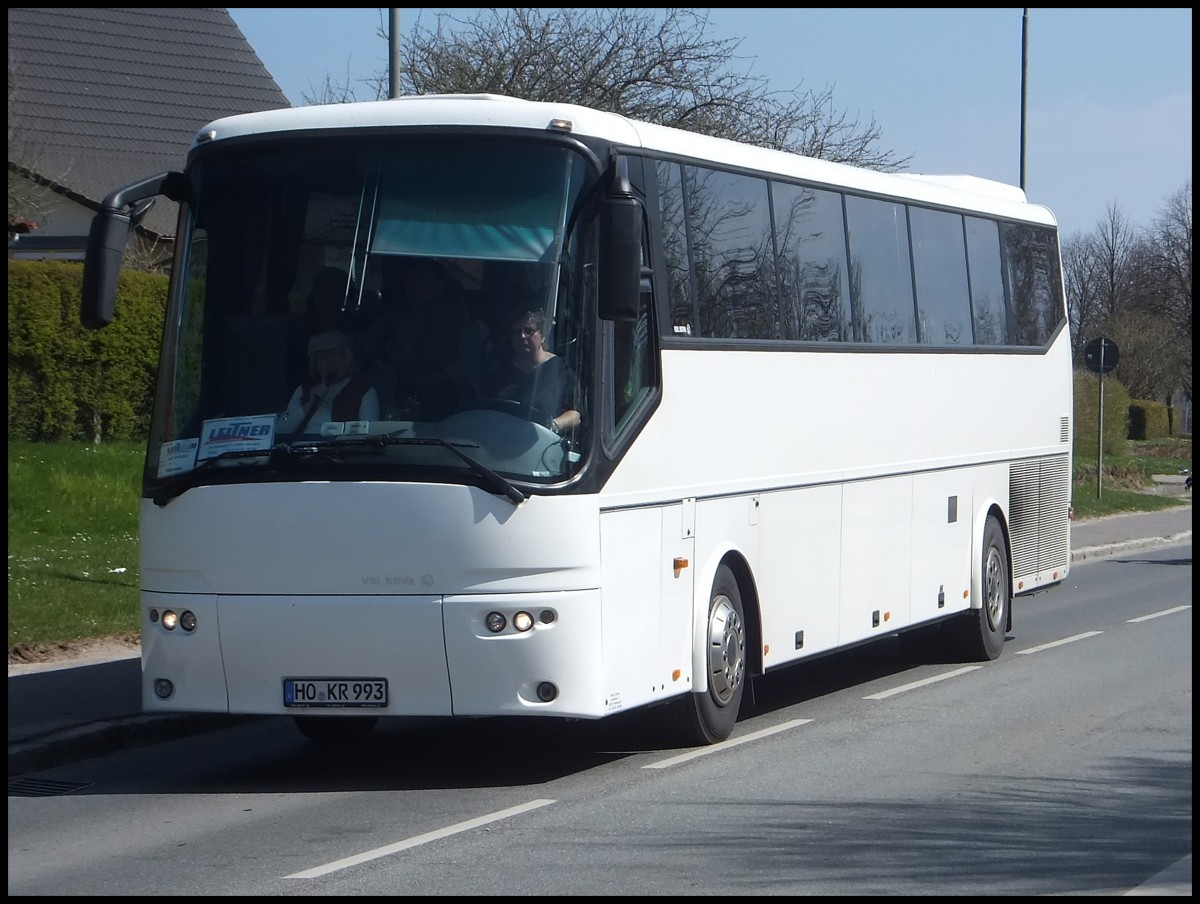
(1101, 355)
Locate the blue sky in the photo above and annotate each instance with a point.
(1108, 118)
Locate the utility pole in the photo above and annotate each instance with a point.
(1024, 84)
(393, 52)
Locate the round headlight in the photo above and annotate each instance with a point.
(187, 620)
(495, 622)
(170, 620)
(522, 621)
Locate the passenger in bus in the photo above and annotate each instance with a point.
(535, 377)
(334, 389)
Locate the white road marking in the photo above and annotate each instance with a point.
(1134, 621)
(725, 745)
(418, 840)
(1058, 643)
(922, 683)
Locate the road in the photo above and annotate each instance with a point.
(1063, 768)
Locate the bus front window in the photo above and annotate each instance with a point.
(336, 289)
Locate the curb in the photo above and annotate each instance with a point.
(70, 745)
(1127, 546)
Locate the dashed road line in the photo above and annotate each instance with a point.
(1058, 643)
(1134, 621)
(725, 745)
(418, 840)
(882, 695)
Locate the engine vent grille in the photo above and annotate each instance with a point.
(1039, 495)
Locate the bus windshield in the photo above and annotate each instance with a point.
(405, 288)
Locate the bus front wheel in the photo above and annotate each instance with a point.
(979, 633)
(708, 716)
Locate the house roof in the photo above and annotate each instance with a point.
(100, 98)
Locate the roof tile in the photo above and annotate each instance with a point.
(99, 98)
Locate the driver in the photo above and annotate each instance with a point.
(535, 377)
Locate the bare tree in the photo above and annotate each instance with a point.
(1099, 276)
(1116, 242)
(658, 66)
(1082, 273)
(1135, 288)
(1168, 263)
(1167, 280)
(1150, 362)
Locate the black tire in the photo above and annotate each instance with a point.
(978, 634)
(335, 729)
(708, 717)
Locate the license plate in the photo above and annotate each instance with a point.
(371, 692)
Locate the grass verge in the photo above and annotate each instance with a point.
(72, 541)
(1127, 478)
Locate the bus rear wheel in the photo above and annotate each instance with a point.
(708, 717)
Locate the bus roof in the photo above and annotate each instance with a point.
(498, 111)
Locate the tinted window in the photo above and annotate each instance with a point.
(748, 259)
(675, 250)
(880, 272)
(814, 284)
(988, 310)
(1032, 256)
(729, 224)
(940, 266)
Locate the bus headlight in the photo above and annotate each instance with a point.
(522, 621)
(495, 622)
(187, 620)
(170, 620)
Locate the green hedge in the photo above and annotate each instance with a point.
(1087, 407)
(1149, 420)
(1173, 419)
(66, 382)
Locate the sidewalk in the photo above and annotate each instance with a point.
(59, 715)
(1119, 534)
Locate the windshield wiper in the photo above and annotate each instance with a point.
(280, 453)
(492, 481)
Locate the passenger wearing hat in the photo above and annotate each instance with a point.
(334, 390)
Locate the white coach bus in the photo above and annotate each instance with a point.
(805, 406)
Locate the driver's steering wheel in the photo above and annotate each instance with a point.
(510, 406)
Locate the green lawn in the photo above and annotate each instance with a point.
(1126, 477)
(72, 540)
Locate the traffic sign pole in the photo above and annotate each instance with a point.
(1100, 430)
(1101, 355)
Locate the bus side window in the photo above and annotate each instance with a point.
(632, 370)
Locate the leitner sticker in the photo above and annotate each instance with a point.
(236, 434)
